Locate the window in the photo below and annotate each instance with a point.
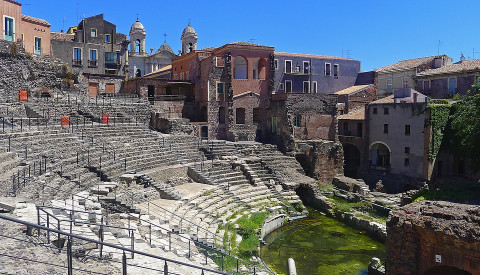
(220, 88)
(405, 83)
(240, 116)
(94, 33)
(406, 162)
(407, 130)
(112, 58)
(187, 76)
(93, 58)
(375, 111)
(385, 128)
(288, 86)
(181, 76)
(298, 121)
(306, 87)
(221, 115)
(288, 66)
(389, 85)
(274, 124)
(77, 56)
(240, 68)
(280, 86)
(407, 150)
(345, 127)
(275, 64)
(257, 115)
(335, 70)
(107, 38)
(386, 111)
(328, 69)
(38, 45)
(306, 67)
(426, 85)
(452, 85)
(9, 28)
(255, 75)
(314, 87)
(359, 129)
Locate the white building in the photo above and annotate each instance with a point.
(141, 62)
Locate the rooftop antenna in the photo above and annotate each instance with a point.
(474, 52)
(252, 40)
(63, 27)
(439, 43)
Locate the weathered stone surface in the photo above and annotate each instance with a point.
(419, 233)
(350, 185)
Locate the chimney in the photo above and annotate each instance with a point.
(462, 58)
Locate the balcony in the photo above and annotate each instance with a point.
(299, 71)
(77, 62)
(92, 63)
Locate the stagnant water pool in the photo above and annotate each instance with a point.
(320, 245)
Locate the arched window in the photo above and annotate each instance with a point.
(138, 73)
(240, 68)
(190, 47)
(137, 46)
(262, 68)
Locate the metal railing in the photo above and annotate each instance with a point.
(72, 238)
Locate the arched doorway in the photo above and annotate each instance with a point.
(351, 160)
(447, 270)
(379, 156)
(204, 133)
(240, 68)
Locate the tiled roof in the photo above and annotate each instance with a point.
(62, 36)
(388, 99)
(467, 65)
(14, 2)
(408, 64)
(355, 114)
(161, 70)
(35, 20)
(353, 89)
(311, 56)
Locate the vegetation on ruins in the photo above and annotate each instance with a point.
(439, 116)
(457, 192)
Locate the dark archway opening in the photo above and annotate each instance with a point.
(204, 132)
(447, 270)
(305, 163)
(352, 160)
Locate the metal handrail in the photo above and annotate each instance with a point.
(124, 249)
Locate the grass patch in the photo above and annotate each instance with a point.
(325, 187)
(455, 192)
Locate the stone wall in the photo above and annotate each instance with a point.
(21, 71)
(322, 160)
(433, 238)
(173, 125)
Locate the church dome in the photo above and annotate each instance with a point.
(137, 27)
(189, 31)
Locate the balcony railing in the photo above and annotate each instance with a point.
(77, 62)
(92, 63)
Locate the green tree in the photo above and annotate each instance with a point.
(465, 127)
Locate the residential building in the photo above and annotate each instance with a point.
(306, 73)
(96, 49)
(352, 97)
(141, 62)
(33, 33)
(396, 138)
(352, 135)
(448, 80)
(400, 75)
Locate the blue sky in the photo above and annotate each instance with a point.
(376, 32)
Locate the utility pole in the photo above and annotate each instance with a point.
(439, 43)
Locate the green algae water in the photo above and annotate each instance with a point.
(320, 245)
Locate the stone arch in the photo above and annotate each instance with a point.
(352, 160)
(447, 270)
(138, 46)
(262, 68)
(380, 155)
(240, 67)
